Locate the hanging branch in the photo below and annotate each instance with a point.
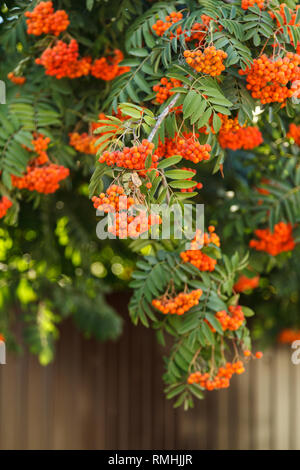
(162, 116)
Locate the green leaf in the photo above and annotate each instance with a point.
(170, 161)
(216, 123)
(183, 184)
(141, 82)
(248, 312)
(199, 111)
(207, 333)
(179, 174)
(204, 118)
(214, 323)
(139, 52)
(191, 103)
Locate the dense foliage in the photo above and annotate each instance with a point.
(177, 102)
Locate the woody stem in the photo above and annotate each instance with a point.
(162, 116)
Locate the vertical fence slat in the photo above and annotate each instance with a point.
(281, 408)
(123, 390)
(261, 370)
(232, 418)
(199, 426)
(136, 350)
(9, 406)
(223, 420)
(158, 398)
(243, 410)
(111, 403)
(99, 404)
(146, 394)
(36, 406)
(294, 405)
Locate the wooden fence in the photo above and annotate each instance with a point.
(110, 396)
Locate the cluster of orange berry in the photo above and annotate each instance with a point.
(84, 143)
(115, 202)
(288, 336)
(111, 202)
(240, 138)
(205, 238)
(209, 61)
(131, 157)
(294, 133)
(250, 3)
(197, 185)
(195, 256)
(160, 27)
(2, 338)
(107, 68)
(40, 176)
(232, 321)
(5, 204)
(246, 283)
(43, 179)
(40, 144)
(163, 90)
(191, 149)
(268, 78)
(187, 146)
(220, 380)
(274, 243)
(16, 79)
(197, 33)
(229, 123)
(199, 259)
(63, 60)
(43, 20)
(178, 305)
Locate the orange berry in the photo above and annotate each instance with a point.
(5, 204)
(62, 60)
(178, 305)
(107, 68)
(43, 20)
(279, 241)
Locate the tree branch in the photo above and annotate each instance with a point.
(162, 116)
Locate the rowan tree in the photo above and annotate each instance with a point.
(190, 102)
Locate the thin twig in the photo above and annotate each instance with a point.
(161, 117)
(165, 185)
